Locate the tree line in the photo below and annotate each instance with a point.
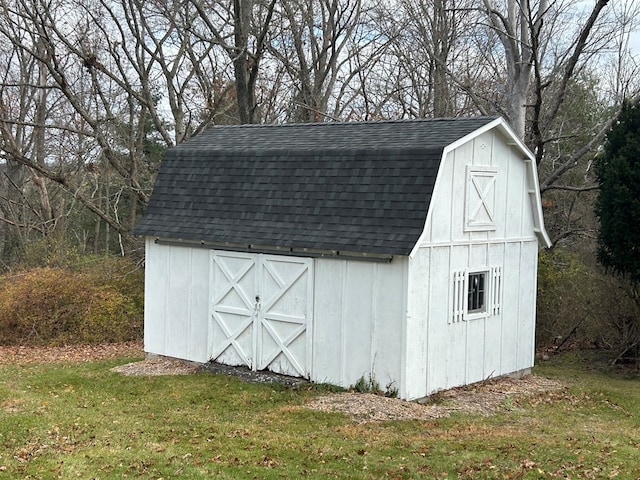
(93, 91)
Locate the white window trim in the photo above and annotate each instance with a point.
(486, 308)
(460, 291)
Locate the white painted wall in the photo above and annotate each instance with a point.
(358, 321)
(358, 312)
(443, 354)
(176, 301)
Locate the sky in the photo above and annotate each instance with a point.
(635, 42)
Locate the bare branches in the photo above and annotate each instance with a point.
(93, 91)
(570, 66)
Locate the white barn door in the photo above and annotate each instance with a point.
(233, 280)
(261, 312)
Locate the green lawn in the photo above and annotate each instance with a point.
(83, 421)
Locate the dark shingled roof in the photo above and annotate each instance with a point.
(358, 187)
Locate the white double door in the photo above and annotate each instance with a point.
(261, 311)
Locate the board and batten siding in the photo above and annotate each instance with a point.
(176, 301)
(359, 310)
(444, 350)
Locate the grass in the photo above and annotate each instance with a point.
(83, 421)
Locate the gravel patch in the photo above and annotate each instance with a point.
(484, 398)
(253, 377)
(155, 366)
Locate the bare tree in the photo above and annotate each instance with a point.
(425, 46)
(240, 28)
(315, 41)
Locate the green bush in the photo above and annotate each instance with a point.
(64, 306)
(565, 292)
(579, 305)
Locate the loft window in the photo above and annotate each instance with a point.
(476, 292)
(480, 201)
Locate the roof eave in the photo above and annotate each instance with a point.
(276, 250)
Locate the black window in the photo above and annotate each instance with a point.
(476, 292)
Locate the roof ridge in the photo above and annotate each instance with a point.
(357, 122)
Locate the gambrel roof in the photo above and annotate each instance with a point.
(356, 187)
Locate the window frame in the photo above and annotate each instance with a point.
(477, 297)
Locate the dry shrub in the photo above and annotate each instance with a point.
(62, 306)
(581, 306)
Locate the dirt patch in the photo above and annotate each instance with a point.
(154, 366)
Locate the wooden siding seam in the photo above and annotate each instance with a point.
(451, 199)
(374, 316)
(403, 333)
(167, 296)
(311, 320)
(517, 309)
(343, 346)
(189, 332)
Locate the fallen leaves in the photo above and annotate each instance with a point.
(68, 353)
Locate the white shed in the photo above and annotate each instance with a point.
(403, 251)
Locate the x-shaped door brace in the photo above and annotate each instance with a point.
(483, 193)
(232, 336)
(283, 287)
(233, 282)
(283, 346)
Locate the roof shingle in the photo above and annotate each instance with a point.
(359, 187)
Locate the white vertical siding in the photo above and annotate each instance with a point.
(512, 298)
(176, 301)
(422, 288)
(495, 326)
(358, 328)
(155, 296)
(329, 349)
(389, 308)
(463, 352)
(500, 342)
(359, 311)
(527, 307)
(513, 208)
